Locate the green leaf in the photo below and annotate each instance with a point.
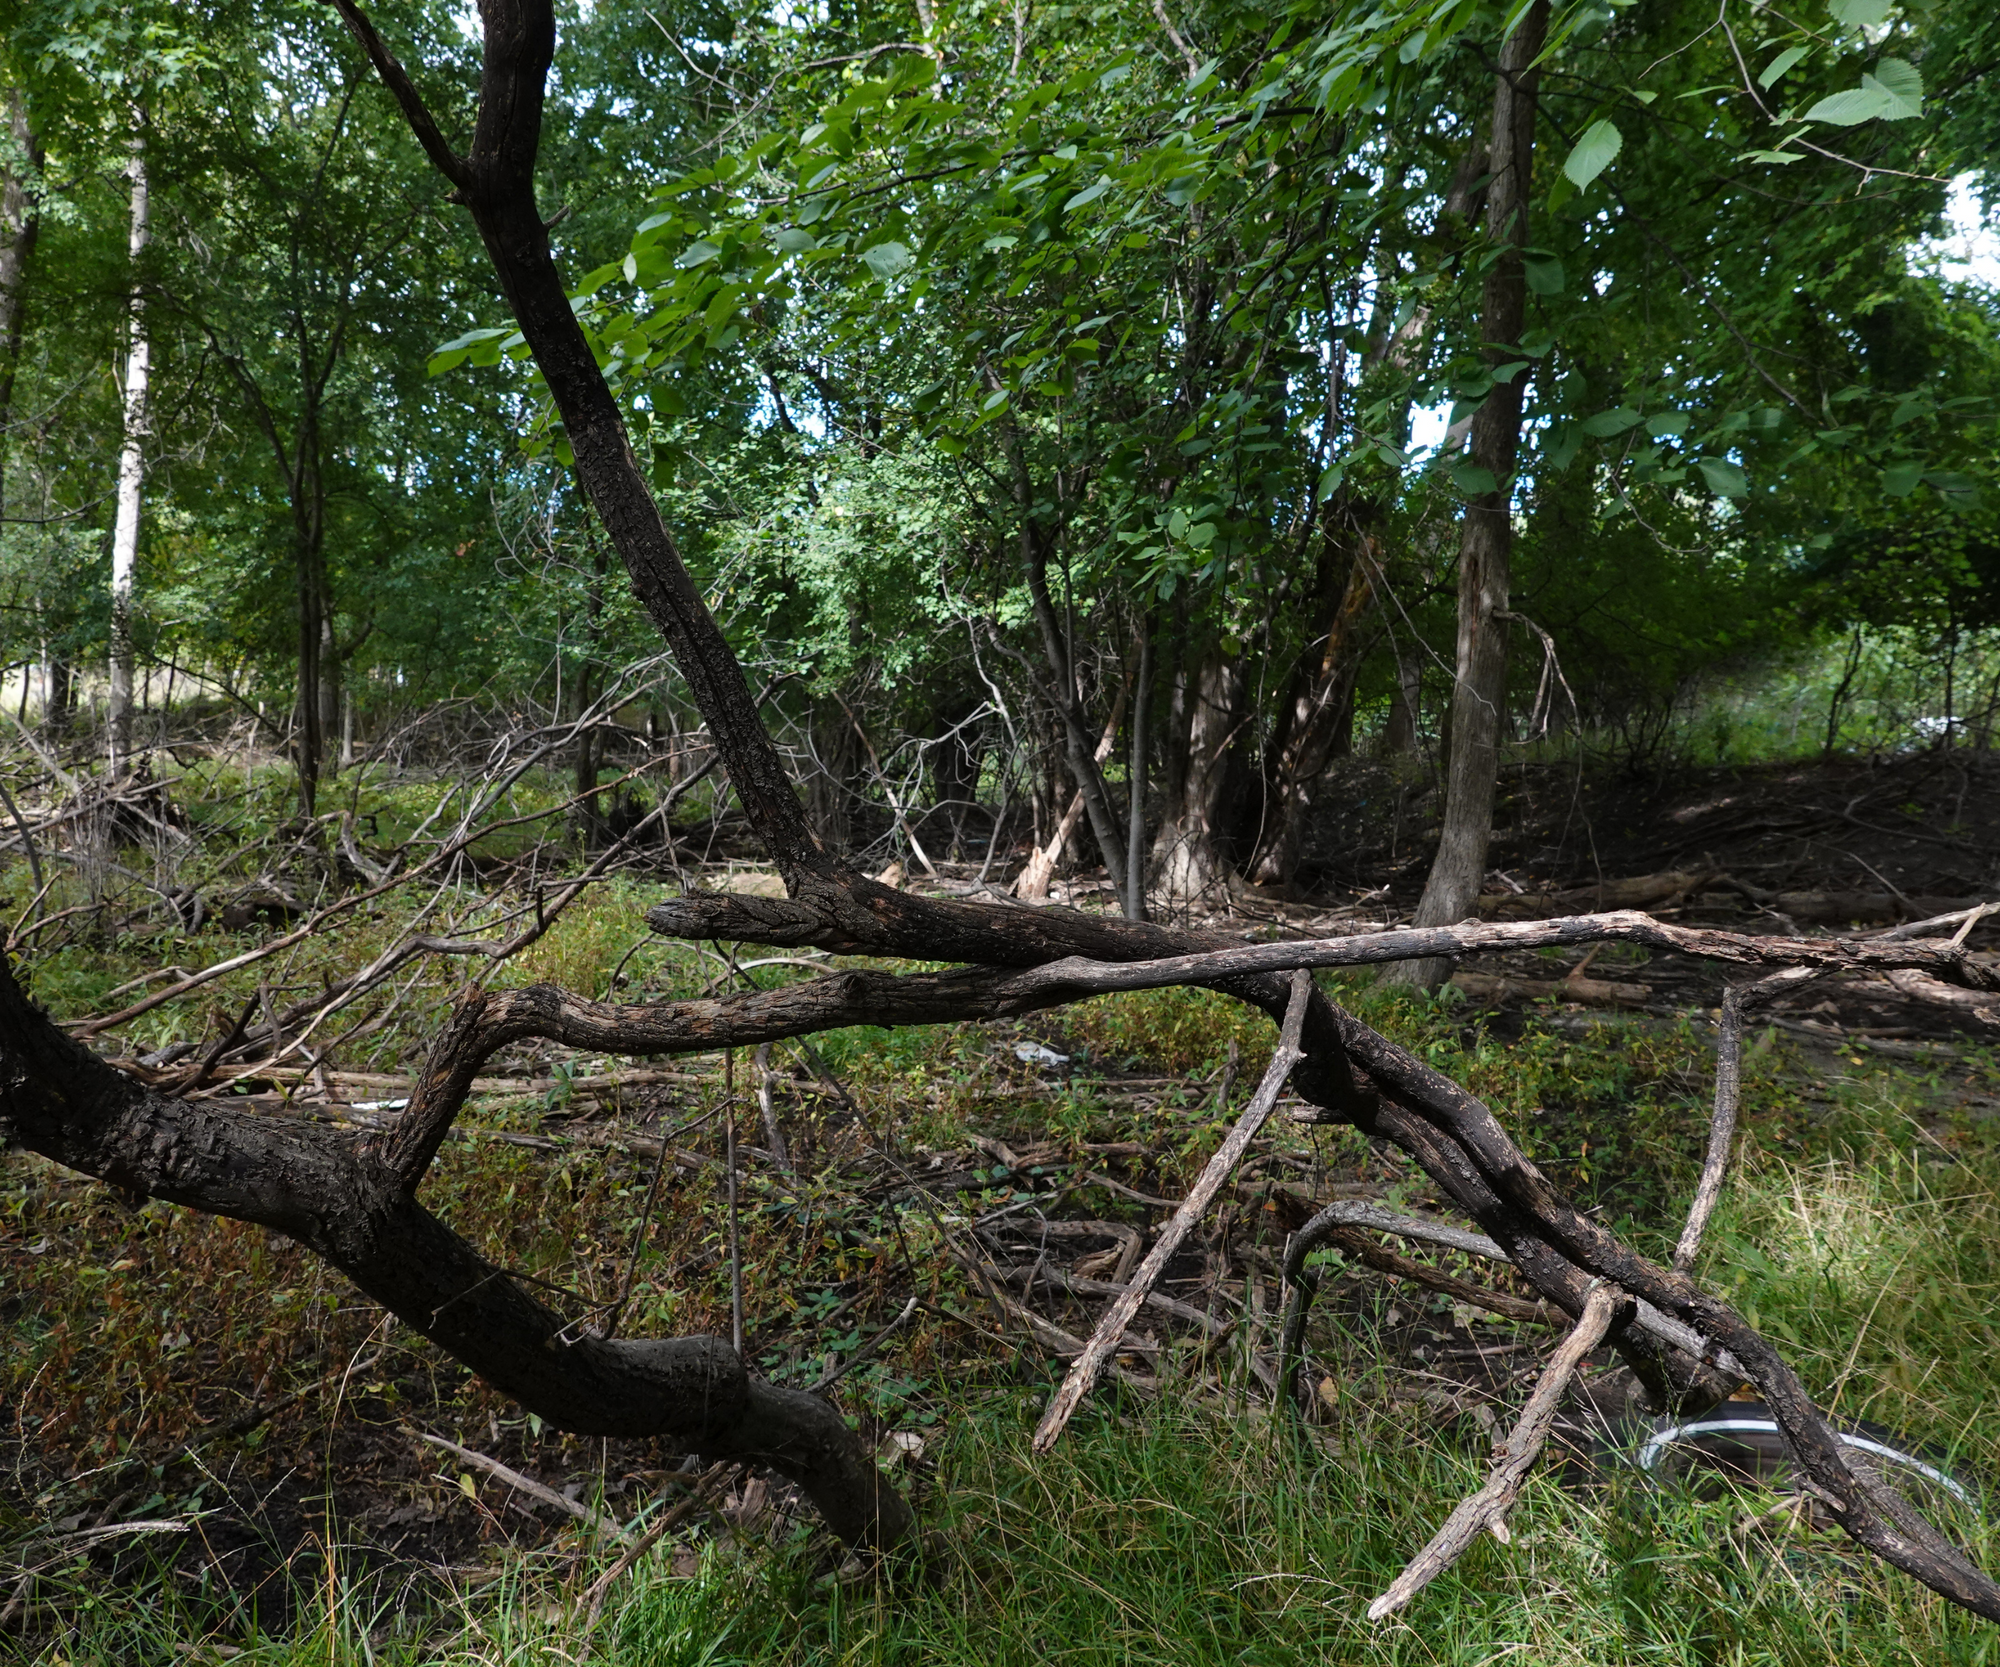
(1776, 68)
(1899, 480)
(1903, 85)
(1861, 14)
(479, 346)
(885, 260)
(1778, 157)
(721, 308)
(1607, 423)
(697, 254)
(1473, 481)
(1662, 423)
(1959, 490)
(1544, 274)
(1849, 109)
(1593, 153)
(1089, 194)
(1724, 478)
(795, 240)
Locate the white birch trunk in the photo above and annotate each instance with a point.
(131, 477)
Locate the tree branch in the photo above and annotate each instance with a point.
(446, 160)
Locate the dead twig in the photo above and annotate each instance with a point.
(703, 1493)
(833, 1374)
(1721, 1129)
(1512, 1460)
(528, 1485)
(774, 1137)
(1104, 1341)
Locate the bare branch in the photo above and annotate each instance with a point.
(1721, 1130)
(1111, 1329)
(446, 160)
(1487, 1509)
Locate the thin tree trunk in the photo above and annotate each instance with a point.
(1135, 823)
(1032, 883)
(20, 227)
(1320, 711)
(131, 472)
(1480, 690)
(317, 651)
(1399, 735)
(588, 743)
(308, 745)
(1083, 763)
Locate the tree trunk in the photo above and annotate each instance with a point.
(20, 227)
(1032, 883)
(1479, 691)
(1318, 716)
(1186, 862)
(1064, 695)
(318, 655)
(131, 473)
(1399, 734)
(1135, 819)
(589, 742)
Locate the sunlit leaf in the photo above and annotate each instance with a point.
(1594, 152)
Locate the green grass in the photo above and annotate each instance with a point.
(1172, 1535)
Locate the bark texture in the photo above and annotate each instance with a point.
(358, 1209)
(1317, 719)
(20, 229)
(1187, 861)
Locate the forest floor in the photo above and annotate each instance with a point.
(208, 1444)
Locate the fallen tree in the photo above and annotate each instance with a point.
(356, 1203)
